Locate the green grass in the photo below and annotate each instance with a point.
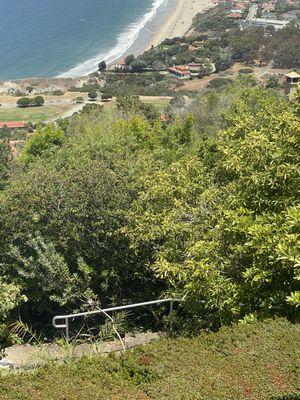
(158, 102)
(49, 112)
(33, 114)
(259, 361)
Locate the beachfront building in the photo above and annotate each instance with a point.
(121, 64)
(180, 71)
(265, 22)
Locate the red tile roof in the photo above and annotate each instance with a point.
(234, 15)
(13, 124)
(180, 71)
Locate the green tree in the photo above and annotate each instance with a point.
(273, 82)
(128, 103)
(225, 235)
(106, 96)
(102, 66)
(38, 101)
(43, 140)
(23, 102)
(79, 99)
(129, 59)
(92, 96)
(5, 162)
(138, 66)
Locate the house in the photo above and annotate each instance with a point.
(13, 124)
(268, 6)
(195, 68)
(241, 6)
(180, 71)
(196, 45)
(235, 15)
(236, 11)
(121, 64)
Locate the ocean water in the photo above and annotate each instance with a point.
(46, 38)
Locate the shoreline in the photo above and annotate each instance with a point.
(180, 21)
(177, 22)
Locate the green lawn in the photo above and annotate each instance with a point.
(33, 114)
(160, 103)
(49, 112)
(259, 362)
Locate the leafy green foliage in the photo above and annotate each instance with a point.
(148, 84)
(5, 162)
(228, 233)
(24, 102)
(122, 207)
(133, 105)
(43, 140)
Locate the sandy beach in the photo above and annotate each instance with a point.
(180, 21)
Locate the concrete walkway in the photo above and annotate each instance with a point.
(28, 356)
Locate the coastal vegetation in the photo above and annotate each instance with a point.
(154, 192)
(25, 102)
(125, 207)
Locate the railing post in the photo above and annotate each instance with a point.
(171, 311)
(67, 330)
(171, 306)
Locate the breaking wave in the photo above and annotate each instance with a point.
(124, 41)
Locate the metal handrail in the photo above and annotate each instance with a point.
(66, 318)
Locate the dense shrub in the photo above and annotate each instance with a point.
(256, 361)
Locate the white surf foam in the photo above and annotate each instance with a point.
(124, 41)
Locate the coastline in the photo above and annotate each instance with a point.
(181, 19)
(168, 18)
(176, 20)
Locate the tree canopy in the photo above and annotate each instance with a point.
(122, 208)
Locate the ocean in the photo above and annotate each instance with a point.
(48, 38)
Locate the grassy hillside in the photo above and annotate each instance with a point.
(257, 361)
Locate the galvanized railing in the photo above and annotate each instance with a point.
(63, 321)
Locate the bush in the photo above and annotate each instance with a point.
(106, 96)
(92, 96)
(219, 82)
(246, 71)
(38, 101)
(58, 92)
(255, 361)
(79, 100)
(24, 102)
